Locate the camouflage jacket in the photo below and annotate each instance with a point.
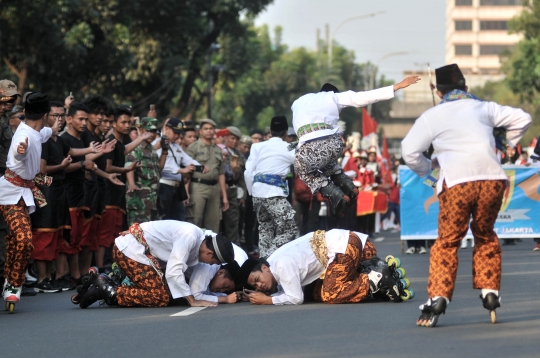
(146, 178)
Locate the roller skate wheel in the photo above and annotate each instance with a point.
(10, 306)
(394, 261)
(401, 272)
(93, 269)
(412, 293)
(493, 316)
(406, 295)
(388, 258)
(74, 300)
(405, 282)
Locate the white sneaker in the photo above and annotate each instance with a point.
(464, 243)
(29, 278)
(411, 250)
(422, 250)
(11, 293)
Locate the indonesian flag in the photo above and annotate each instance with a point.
(369, 125)
(385, 163)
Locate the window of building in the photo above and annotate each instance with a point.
(464, 25)
(494, 25)
(463, 50)
(463, 2)
(500, 3)
(493, 49)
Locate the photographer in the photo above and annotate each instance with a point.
(172, 187)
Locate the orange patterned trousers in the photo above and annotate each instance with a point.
(342, 283)
(18, 242)
(481, 200)
(149, 291)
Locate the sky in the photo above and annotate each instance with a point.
(413, 26)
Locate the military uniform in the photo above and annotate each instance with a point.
(142, 204)
(204, 209)
(231, 217)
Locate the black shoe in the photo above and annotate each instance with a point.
(66, 283)
(47, 286)
(491, 302)
(102, 288)
(338, 200)
(28, 291)
(381, 280)
(345, 184)
(431, 311)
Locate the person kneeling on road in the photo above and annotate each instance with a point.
(138, 253)
(342, 264)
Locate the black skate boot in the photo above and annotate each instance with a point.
(81, 289)
(345, 184)
(381, 281)
(491, 302)
(103, 288)
(431, 311)
(338, 200)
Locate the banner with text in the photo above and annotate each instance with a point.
(519, 216)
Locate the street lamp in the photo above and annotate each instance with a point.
(331, 40)
(372, 75)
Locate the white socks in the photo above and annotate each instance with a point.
(485, 291)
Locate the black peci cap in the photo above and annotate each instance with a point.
(244, 271)
(223, 248)
(449, 76)
(328, 87)
(36, 103)
(279, 124)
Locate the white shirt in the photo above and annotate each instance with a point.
(171, 167)
(324, 107)
(27, 165)
(270, 157)
(175, 242)
(203, 274)
(294, 264)
(462, 136)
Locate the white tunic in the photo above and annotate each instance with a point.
(204, 273)
(27, 165)
(324, 107)
(462, 135)
(294, 264)
(175, 242)
(270, 157)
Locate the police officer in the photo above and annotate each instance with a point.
(207, 186)
(172, 190)
(236, 187)
(143, 183)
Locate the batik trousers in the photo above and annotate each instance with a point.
(276, 223)
(18, 242)
(149, 290)
(480, 200)
(342, 283)
(317, 160)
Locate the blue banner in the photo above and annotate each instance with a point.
(519, 216)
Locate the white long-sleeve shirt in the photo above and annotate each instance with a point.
(203, 274)
(324, 107)
(294, 264)
(175, 242)
(26, 165)
(270, 157)
(462, 135)
(176, 158)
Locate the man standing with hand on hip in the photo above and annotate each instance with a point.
(471, 184)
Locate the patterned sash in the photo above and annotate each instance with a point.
(138, 234)
(274, 180)
(318, 245)
(40, 179)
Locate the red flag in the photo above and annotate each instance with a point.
(385, 153)
(369, 125)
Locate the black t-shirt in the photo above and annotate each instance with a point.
(54, 152)
(115, 193)
(75, 177)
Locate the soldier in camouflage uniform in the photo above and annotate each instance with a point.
(143, 183)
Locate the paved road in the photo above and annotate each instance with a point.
(48, 325)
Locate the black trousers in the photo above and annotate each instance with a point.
(310, 216)
(171, 207)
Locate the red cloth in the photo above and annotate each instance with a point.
(365, 177)
(45, 243)
(369, 125)
(369, 202)
(72, 245)
(111, 226)
(91, 228)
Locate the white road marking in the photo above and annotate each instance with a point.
(379, 239)
(188, 312)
